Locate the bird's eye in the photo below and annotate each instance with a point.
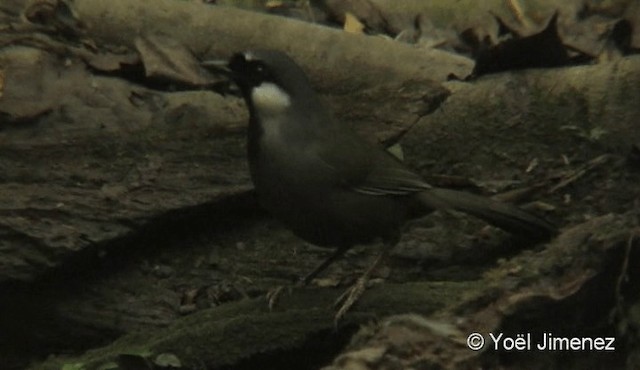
(261, 72)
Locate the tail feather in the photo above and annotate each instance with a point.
(502, 215)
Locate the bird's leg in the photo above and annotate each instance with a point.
(273, 294)
(321, 267)
(351, 295)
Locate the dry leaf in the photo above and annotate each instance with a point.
(352, 24)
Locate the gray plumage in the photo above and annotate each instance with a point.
(328, 185)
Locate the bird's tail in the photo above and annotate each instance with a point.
(502, 215)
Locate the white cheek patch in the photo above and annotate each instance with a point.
(269, 99)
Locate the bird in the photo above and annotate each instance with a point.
(328, 185)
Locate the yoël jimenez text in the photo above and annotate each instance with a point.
(549, 342)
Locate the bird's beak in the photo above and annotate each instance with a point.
(219, 66)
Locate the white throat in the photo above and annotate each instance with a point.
(270, 103)
(269, 99)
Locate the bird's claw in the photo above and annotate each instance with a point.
(273, 295)
(349, 298)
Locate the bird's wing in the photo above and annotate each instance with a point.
(388, 176)
(367, 169)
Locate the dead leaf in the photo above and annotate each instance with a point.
(352, 24)
(109, 62)
(166, 59)
(543, 49)
(56, 14)
(364, 11)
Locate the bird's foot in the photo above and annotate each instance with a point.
(273, 295)
(350, 297)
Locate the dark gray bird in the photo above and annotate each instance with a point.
(329, 186)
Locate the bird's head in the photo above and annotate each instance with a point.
(270, 79)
